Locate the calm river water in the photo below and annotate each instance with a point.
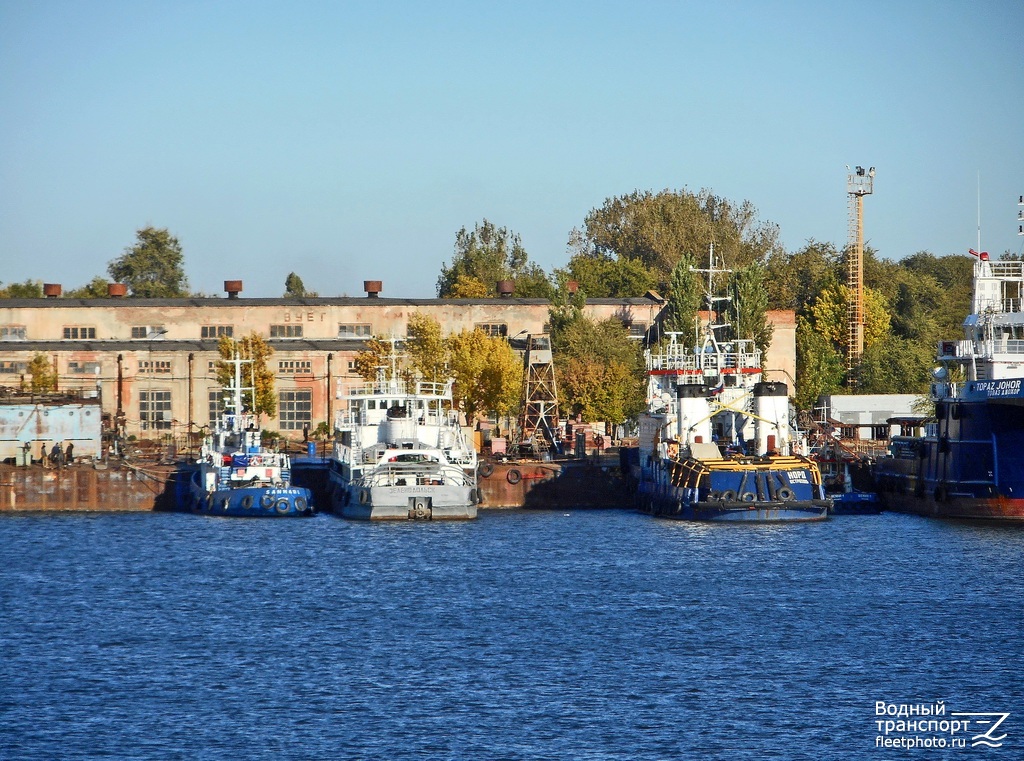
(523, 635)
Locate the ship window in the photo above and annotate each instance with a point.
(296, 409)
(155, 410)
(286, 331)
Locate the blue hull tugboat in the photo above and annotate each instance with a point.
(716, 442)
(968, 464)
(235, 476)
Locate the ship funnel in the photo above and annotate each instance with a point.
(693, 424)
(771, 429)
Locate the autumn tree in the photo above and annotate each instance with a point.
(426, 349)
(599, 369)
(255, 374)
(94, 289)
(486, 255)
(488, 374)
(153, 267)
(44, 374)
(376, 356)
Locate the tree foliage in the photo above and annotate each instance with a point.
(376, 356)
(44, 374)
(748, 308)
(294, 287)
(153, 267)
(426, 350)
(256, 374)
(603, 275)
(685, 297)
(656, 229)
(488, 374)
(820, 365)
(599, 369)
(94, 289)
(30, 289)
(486, 255)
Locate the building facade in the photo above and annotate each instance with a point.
(154, 359)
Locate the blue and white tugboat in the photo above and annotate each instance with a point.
(969, 464)
(716, 442)
(234, 475)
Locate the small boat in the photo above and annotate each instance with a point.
(234, 475)
(716, 442)
(400, 453)
(968, 464)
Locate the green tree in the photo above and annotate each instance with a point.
(488, 254)
(685, 297)
(830, 315)
(895, 366)
(153, 267)
(94, 289)
(656, 229)
(488, 374)
(255, 374)
(749, 306)
(604, 275)
(820, 365)
(793, 281)
(293, 287)
(44, 374)
(30, 289)
(599, 369)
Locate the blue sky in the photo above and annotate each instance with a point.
(350, 141)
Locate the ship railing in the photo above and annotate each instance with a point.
(417, 474)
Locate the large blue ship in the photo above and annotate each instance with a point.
(234, 474)
(969, 463)
(716, 442)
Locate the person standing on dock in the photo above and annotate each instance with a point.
(69, 456)
(42, 454)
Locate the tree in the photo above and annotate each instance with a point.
(426, 349)
(488, 374)
(685, 297)
(604, 275)
(830, 315)
(599, 369)
(749, 306)
(656, 229)
(895, 366)
(820, 367)
(255, 374)
(94, 289)
(44, 374)
(153, 267)
(489, 254)
(293, 287)
(30, 289)
(792, 281)
(376, 356)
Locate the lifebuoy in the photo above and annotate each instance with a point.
(282, 506)
(267, 501)
(785, 494)
(485, 468)
(300, 504)
(514, 476)
(247, 501)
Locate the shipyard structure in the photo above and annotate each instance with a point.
(150, 364)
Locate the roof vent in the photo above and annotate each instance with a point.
(373, 288)
(506, 288)
(51, 290)
(117, 290)
(233, 288)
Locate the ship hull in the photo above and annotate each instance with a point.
(400, 503)
(244, 502)
(971, 468)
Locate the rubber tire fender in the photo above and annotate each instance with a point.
(514, 476)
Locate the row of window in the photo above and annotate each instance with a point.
(294, 409)
(355, 331)
(160, 367)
